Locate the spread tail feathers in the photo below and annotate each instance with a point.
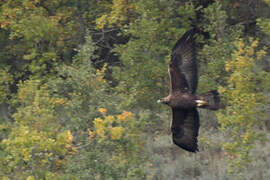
(211, 99)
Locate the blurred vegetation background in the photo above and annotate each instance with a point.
(79, 81)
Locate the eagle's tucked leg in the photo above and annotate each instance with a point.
(201, 103)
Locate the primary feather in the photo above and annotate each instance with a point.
(184, 55)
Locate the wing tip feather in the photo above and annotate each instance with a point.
(187, 37)
(193, 149)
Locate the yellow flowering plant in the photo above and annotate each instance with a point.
(119, 136)
(243, 113)
(112, 127)
(121, 12)
(36, 142)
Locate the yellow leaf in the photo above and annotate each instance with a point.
(116, 132)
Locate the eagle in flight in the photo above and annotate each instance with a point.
(183, 99)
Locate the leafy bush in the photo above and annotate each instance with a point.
(244, 103)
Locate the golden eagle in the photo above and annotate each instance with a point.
(182, 98)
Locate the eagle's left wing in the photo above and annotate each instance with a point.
(185, 128)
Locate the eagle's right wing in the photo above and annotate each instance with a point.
(182, 66)
(185, 128)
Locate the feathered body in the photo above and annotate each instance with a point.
(182, 98)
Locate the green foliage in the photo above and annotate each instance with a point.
(217, 49)
(83, 89)
(144, 59)
(41, 34)
(121, 12)
(35, 146)
(264, 23)
(114, 149)
(5, 81)
(244, 102)
(109, 146)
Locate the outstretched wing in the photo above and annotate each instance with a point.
(183, 67)
(185, 128)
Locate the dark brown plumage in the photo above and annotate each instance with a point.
(182, 98)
